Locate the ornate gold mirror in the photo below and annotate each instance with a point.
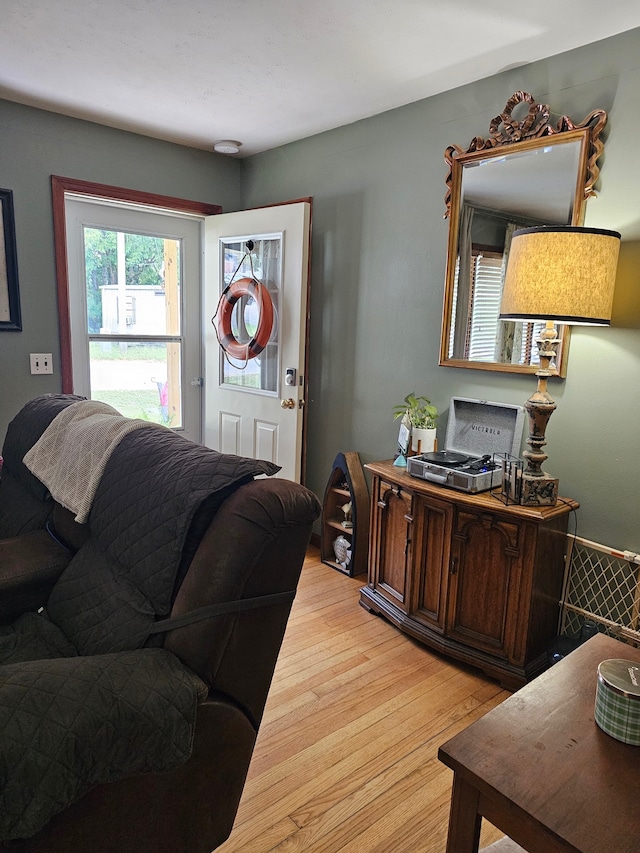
(526, 173)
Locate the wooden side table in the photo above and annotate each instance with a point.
(540, 769)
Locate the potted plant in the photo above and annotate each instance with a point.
(420, 415)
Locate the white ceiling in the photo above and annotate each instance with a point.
(267, 72)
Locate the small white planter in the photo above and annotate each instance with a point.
(423, 440)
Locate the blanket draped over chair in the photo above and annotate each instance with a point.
(70, 456)
(80, 682)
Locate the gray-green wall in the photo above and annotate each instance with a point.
(35, 145)
(378, 264)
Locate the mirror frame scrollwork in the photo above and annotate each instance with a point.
(509, 135)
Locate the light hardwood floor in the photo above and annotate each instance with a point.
(346, 759)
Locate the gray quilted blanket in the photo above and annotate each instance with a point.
(84, 698)
(69, 723)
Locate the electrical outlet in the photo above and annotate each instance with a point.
(41, 362)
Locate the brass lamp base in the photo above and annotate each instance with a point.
(539, 491)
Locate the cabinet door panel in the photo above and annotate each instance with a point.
(432, 522)
(484, 583)
(394, 526)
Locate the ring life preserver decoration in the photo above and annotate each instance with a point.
(222, 318)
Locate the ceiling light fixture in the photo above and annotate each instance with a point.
(227, 146)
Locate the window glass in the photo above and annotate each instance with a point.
(133, 293)
(262, 262)
(132, 377)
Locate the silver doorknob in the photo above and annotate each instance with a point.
(288, 404)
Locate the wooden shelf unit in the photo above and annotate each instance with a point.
(346, 483)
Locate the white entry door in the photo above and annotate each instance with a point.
(254, 407)
(134, 309)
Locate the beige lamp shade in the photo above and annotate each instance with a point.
(566, 274)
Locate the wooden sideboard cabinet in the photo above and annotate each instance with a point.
(466, 574)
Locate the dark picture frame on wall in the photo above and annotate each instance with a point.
(10, 319)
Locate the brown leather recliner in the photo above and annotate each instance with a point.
(30, 559)
(248, 549)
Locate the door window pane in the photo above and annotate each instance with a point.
(263, 263)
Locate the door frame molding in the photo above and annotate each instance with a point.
(59, 187)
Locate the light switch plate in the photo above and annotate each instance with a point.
(41, 362)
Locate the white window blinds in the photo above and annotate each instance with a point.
(482, 322)
(487, 293)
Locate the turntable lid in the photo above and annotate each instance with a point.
(477, 427)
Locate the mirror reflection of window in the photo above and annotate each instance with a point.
(483, 306)
(486, 266)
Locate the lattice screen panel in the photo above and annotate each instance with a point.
(603, 585)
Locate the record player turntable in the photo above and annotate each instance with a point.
(477, 433)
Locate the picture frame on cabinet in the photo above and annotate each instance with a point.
(404, 436)
(404, 439)
(10, 319)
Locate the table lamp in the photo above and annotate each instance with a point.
(556, 275)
